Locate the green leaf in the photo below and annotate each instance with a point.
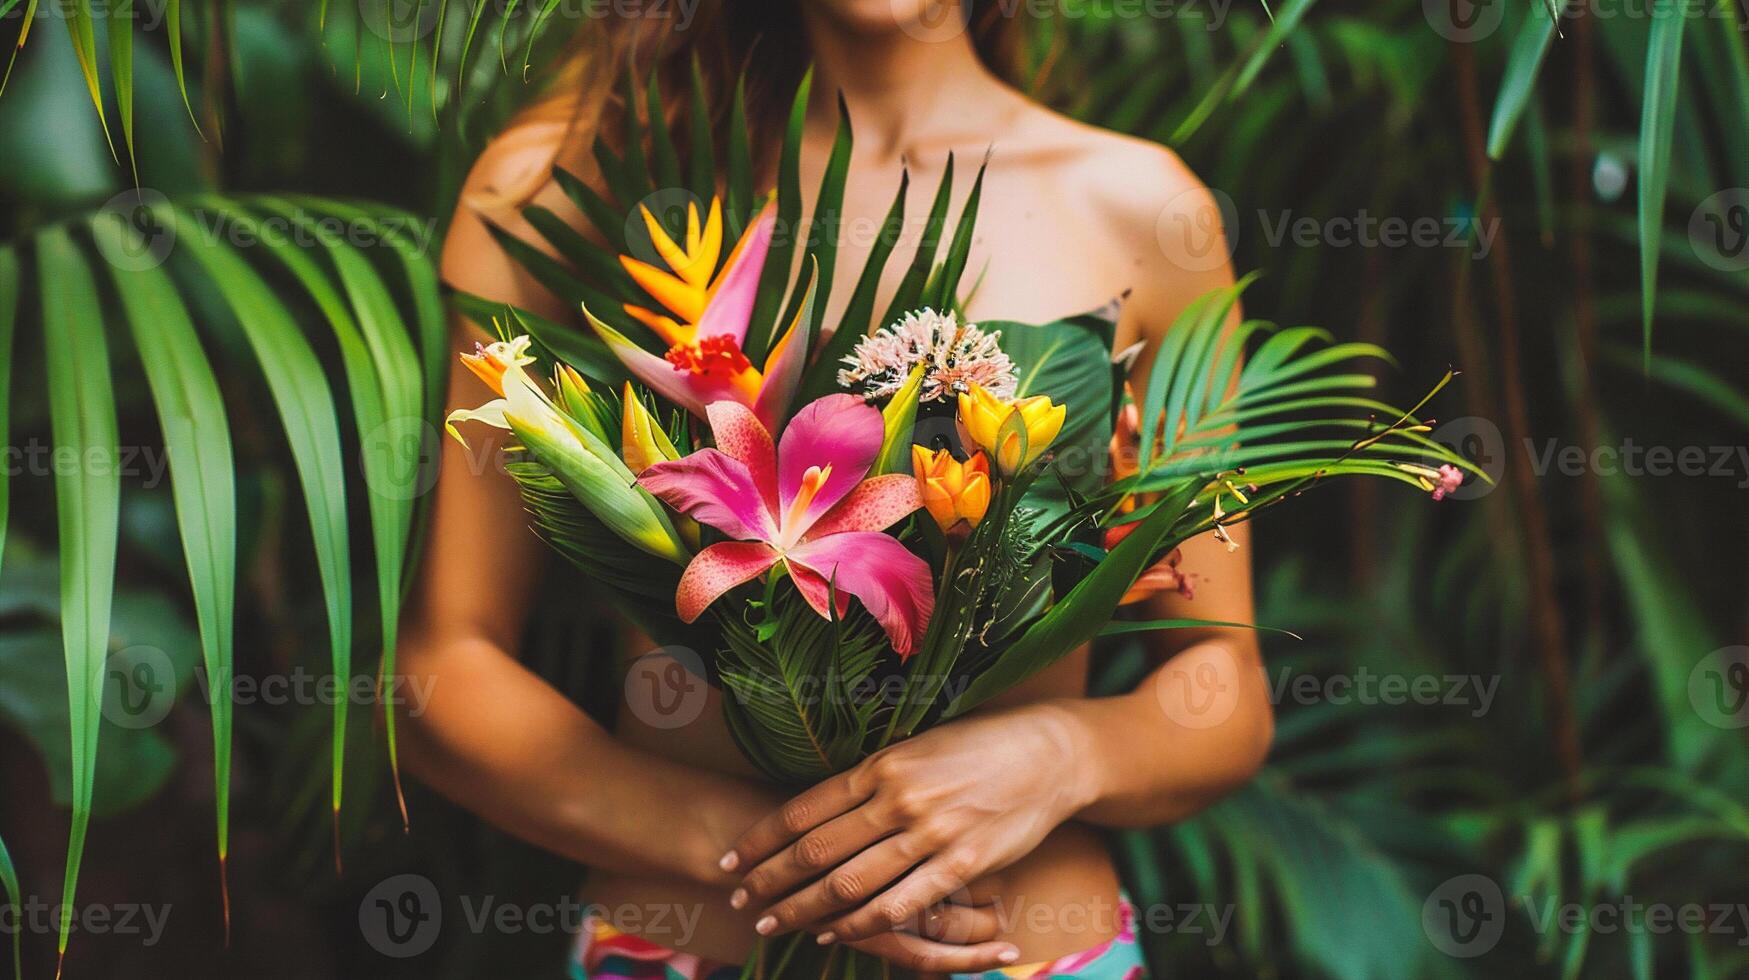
(1518, 86)
(9, 295)
(1657, 123)
(899, 418)
(383, 375)
(121, 71)
(824, 228)
(701, 155)
(1125, 626)
(191, 415)
(300, 391)
(739, 208)
(9, 881)
(84, 38)
(8, 320)
(946, 296)
(762, 326)
(1069, 360)
(1081, 614)
(173, 30)
(666, 168)
(910, 291)
(24, 25)
(822, 375)
(1282, 25)
(87, 508)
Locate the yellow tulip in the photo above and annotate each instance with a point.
(642, 441)
(1016, 433)
(952, 491)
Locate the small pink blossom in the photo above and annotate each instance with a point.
(1450, 478)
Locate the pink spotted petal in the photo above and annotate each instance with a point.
(731, 303)
(714, 488)
(840, 430)
(893, 584)
(875, 505)
(783, 366)
(739, 434)
(716, 570)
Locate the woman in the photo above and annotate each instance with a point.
(973, 847)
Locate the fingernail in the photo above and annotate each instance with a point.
(826, 938)
(765, 926)
(738, 898)
(1009, 955)
(728, 861)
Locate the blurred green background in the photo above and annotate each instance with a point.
(1511, 743)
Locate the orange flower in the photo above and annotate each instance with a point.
(953, 492)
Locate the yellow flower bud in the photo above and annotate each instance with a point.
(1014, 433)
(642, 441)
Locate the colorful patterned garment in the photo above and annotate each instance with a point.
(605, 953)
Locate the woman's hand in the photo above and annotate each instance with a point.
(912, 825)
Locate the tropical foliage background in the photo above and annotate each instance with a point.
(217, 304)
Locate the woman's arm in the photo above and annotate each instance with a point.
(494, 737)
(920, 820)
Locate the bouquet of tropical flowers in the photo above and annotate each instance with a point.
(870, 526)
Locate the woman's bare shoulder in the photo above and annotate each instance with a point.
(1160, 222)
(513, 171)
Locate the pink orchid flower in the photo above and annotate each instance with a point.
(803, 502)
(705, 362)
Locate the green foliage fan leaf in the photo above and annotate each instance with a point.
(87, 506)
(191, 415)
(1657, 125)
(306, 408)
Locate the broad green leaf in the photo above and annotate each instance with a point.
(1657, 122)
(300, 392)
(87, 508)
(383, 375)
(191, 415)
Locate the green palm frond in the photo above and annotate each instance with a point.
(386, 362)
(789, 685)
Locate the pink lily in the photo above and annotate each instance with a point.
(705, 362)
(803, 502)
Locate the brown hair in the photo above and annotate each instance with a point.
(762, 38)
